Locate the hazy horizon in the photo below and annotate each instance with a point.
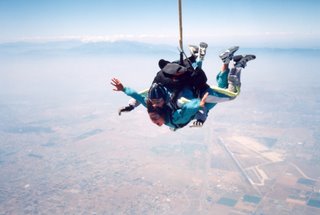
(272, 23)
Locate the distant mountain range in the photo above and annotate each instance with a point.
(76, 47)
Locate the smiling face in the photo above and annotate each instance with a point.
(156, 118)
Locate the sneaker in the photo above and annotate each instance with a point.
(194, 50)
(227, 55)
(243, 61)
(202, 50)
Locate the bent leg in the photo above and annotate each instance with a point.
(215, 97)
(234, 82)
(222, 78)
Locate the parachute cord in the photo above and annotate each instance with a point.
(180, 26)
(182, 54)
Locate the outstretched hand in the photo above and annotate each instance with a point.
(197, 124)
(203, 100)
(117, 84)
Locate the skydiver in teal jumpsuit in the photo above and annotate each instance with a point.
(188, 106)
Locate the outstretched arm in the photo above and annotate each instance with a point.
(130, 92)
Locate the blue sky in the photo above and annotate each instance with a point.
(271, 23)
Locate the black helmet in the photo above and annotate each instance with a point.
(157, 91)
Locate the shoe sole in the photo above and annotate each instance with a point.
(247, 58)
(229, 52)
(193, 49)
(203, 45)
